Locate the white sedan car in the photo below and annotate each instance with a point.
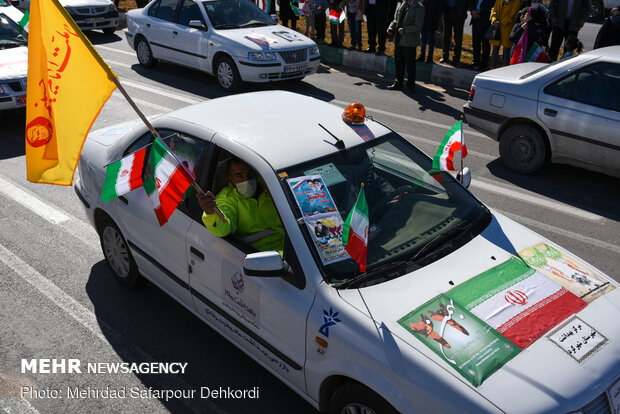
(232, 39)
(93, 14)
(11, 11)
(566, 112)
(460, 309)
(13, 65)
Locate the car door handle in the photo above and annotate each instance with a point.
(197, 253)
(550, 112)
(148, 25)
(124, 200)
(175, 32)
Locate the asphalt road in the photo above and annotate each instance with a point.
(58, 298)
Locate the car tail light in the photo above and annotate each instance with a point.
(472, 92)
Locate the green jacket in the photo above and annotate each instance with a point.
(247, 219)
(412, 24)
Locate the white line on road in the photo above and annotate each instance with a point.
(111, 49)
(162, 92)
(118, 95)
(537, 200)
(29, 201)
(15, 405)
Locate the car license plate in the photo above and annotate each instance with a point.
(614, 396)
(21, 100)
(95, 20)
(295, 68)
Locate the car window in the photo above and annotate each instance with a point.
(167, 10)
(153, 8)
(232, 14)
(597, 85)
(189, 11)
(10, 33)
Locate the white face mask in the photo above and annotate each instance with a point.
(247, 188)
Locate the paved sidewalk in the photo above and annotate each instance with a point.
(426, 72)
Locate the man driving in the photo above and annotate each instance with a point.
(248, 211)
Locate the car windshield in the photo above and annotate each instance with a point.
(10, 33)
(234, 14)
(416, 215)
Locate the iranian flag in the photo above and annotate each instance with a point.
(295, 9)
(518, 55)
(167, 181)
(517, 301)
(355, 231)
(452, 142)
(123, 175)
(536, 54)
(24, 23)
(336, 17)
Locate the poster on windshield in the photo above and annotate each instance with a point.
(473, 348)
(326, 231)
(312, 195)
(567, 271)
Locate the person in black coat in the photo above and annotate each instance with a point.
(535, 31)
(287, 14)
(480, 21)
(432, 14)
(454, 15)
(609, 33)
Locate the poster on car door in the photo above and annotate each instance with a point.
(567, 271)
(473, 348)
(326, 231)
(312, 195)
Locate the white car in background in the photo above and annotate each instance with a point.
(93, 14)
(460, 310)
(12, 12)
(13, 65)
(232, 39)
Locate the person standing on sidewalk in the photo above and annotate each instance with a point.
(454, 15)
(609, 33)
(355, 26)
(503, 18)
(567, 18)
(336, 29)
(405, 28)
(480, 15)
(318, 10)
(432, 13)
(377, 21)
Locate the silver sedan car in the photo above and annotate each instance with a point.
(566, 112)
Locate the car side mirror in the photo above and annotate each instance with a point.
(265, 264)
(464, 176)
(197, 24)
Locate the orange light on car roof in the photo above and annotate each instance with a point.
(355, 114)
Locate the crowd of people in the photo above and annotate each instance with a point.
(497, 26)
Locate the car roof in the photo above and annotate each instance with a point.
(282, 127)
(606, 52)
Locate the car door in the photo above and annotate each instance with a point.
(582, 111)
(190, 44)
(159, 251)
(160, 27)
(265, 316)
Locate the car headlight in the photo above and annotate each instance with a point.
(2, 91)
(70, 11)
(314, 50)
(112, 7)
(262, 56)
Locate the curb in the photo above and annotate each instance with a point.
(425, 72)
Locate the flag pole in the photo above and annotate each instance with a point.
(462, 142)
(158, 137)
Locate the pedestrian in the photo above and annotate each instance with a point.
(286, 13)
(454, 15)
(405, 29)
(480, 21)
(609, 33)
(376, 25)
(355, 25)
(502, 17)
(309, 17)
(433, 10)
(567, 18)
(535, 32)
(572, 46)
(318, 10)
(336, 29)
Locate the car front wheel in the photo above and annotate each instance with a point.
(354, 398)
(144, 53)
(227, 74)
(117, 254)
(522, 149)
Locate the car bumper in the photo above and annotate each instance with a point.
(14, 99)
(270, 72)
(483, 121)
(97, 21)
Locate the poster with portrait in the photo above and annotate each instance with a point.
(312, 195)
(326, 231)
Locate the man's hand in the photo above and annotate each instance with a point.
(390, 31)
(207, 202)
(475, 14)
(497, 24)
(401, 31)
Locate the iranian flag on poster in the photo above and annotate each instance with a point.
(536, 54)
(452, 142)
(336, 17)
(355, 231)
(516, 300)
(167, 181)
(123, 175)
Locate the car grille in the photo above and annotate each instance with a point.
(599, 405)
(294, 56)
(89, 10)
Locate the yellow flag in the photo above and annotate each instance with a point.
(68, 84)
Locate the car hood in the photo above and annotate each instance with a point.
(14, 63)
(268, 38)
(85, 3)
(534, 370)
(12, 13)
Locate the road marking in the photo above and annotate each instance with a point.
(110, 49)
(562, 232)
(118, 95)
(89, 321)
(162, 92)
(15, 405)
(537, 200)
(32, 203)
